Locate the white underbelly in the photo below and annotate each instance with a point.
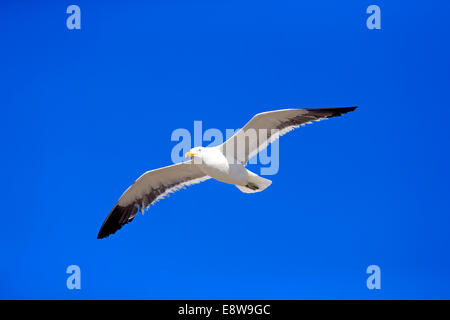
(228, 173)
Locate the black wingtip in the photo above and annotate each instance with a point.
(346, 109)
(117, 218)
(104, 232)
(101, 234)
(331, 112)
(343, 110)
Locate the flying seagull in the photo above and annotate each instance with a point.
(225, 163)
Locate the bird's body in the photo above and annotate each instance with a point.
(214, 164)
(225, 163)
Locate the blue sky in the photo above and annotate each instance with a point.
(85, 112)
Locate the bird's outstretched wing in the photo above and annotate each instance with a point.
(265, 127)
(149, 188)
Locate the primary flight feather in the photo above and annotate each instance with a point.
(224, 163)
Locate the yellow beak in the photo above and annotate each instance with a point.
(189, 155)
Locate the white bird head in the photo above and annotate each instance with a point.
(195, 152)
